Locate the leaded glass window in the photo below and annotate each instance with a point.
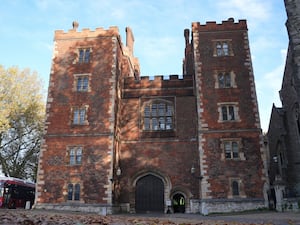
(158, 116)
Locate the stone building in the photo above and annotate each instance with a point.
(284, 128)
(118, 141)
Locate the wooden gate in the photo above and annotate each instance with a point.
(149, 194)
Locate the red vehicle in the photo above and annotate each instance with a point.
(14, 192)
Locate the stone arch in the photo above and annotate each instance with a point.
(186, 194)
(165, 180)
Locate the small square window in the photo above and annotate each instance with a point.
(80, 116)
(84, 55)
(75, 155)
(82, 83)
(228, 112)
(224, 80)
(222, 48)
(231, 149)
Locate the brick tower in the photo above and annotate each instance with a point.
(229, 133)
(75, 167)
(116, 141)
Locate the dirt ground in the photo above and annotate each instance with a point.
(45, 217)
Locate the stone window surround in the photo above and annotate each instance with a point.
(236, 112)
(222, 41)
(240, 148)
(81, 75)
(66, 192)
(76, 148)
(150, 102)
(232, 79)
(76, 60)
(240, 188)
(85, 122)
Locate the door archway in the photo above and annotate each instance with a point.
(178, 202)
(149, 194)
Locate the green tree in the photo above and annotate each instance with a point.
(21, 121)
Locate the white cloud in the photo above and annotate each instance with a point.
(274, 78)
(268, 88)
(255, 9)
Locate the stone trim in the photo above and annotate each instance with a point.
(111, 112)
(248, 65)
(40, 173)
(202, 126)
(102, 209)
(208, 206)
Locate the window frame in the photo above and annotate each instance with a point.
(75, 155)
(80, 118)
(232, 191)
(73, 191)
(228, 112)
(222, 48)
(224, 80)
(230, 75)
(231, 149)
(236, 153)
(82, 87)
(160, 116)
(235, 188)
(84, 55)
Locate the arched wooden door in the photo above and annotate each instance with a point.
(149, 194)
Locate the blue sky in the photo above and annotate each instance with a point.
(27, 30)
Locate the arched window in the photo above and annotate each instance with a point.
(70, 191)
(74, 192)
(235, 188)
(77, 192)
(158, 115)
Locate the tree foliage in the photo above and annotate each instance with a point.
(21, 121)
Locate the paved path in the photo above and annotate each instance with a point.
(49, 217)
(276, 218)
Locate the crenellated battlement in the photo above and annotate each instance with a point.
(86, 33)
(225, 25)
(158, 78)
(159, 85)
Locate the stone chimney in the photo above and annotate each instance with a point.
(129, 40)
(75, 25)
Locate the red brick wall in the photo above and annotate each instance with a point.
(217, 171)
(96, 138)
(170, 156)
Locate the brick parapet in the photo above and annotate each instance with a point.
(133, 88)
(224, 26)
(86, 33)
(158, 82)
